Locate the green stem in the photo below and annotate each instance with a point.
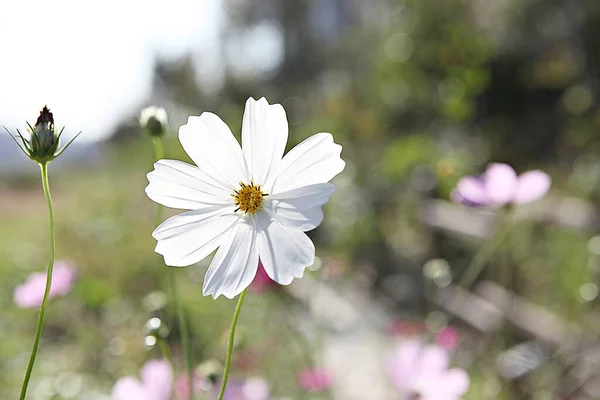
(484, 254)
(166, 352)
(183, 327)
(184, 331)
(236, 315)
(40, 322)
(158, 155)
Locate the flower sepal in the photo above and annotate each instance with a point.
(43, 142)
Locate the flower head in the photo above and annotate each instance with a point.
(252, 203)
(155, 383)
(500, 185)
(31, 292)
(315, 380)
(154, 120)
(448, 338)
(253, 388)
(182, 386)
(42, 145)
(422, 371)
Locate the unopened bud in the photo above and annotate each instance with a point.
(42, 145)
(210, 369)
(44, 139)
(153, 120)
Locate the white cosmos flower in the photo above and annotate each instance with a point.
(159, 113)
(252, 203)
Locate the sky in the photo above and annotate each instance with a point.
(92, 62)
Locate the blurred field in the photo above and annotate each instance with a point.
(419, 94)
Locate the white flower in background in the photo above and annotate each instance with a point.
(251, 202)
(154, 120)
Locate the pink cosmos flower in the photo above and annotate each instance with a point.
(246, 389)
(31, 292)
(182, 386)
(422, 371)
(448, 338)
(500, 185)
(406, 328)
(262, 282)
(155, 384)
(315, 380)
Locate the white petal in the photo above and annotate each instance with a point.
(234, 266)
(188, 238)
(300, 208)
(264, 136)
(315, 160)
(211, 145)
(284, 252)
(302, 220)
(179, 185)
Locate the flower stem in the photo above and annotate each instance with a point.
(236, 315)
(183, 331)
(485, 253)
(40, 322)
(166, 352)
(183, 327)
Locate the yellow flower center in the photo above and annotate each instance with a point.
(248, 198)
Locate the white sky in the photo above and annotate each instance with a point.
(91, 62)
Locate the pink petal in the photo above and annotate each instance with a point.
(433, 361)
(129, 389)
(255, 389)
(63, 278)
(501, 183)
(403, 364)
(31, 292)
(314, 380)
(262, 282)
(182, 387)
(157, 378)
(438, 396)
(471, 190)
(451, 385)
(448, 338)
(533, 185)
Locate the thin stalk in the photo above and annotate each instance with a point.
(183, 330)
(236, 315)
(166, 352)
(183, 327)
(40, 322)
(484, 254)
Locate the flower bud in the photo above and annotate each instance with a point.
(44, 140)
(210, 369)
(42, 146)
(153, 120)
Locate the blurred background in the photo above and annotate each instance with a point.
(418, 92)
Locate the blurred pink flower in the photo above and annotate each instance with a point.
(406, 328)
(31, 292)
(155, 384)
(422, 371)
(448, 338)
(246, 389)
(182, 387)
(500, 185)
(315, 380)
(262, 282)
